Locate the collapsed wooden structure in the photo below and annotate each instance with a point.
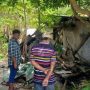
(72, 33)
(74, 36)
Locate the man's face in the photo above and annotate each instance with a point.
(16, 36)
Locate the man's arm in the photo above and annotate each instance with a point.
(45, 81)
(36, 65)
(14, 62)
(50, 72)
(51, 69)
(52, 65)
(13, 54)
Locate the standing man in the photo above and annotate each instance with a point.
(14, 57)
(43, 58)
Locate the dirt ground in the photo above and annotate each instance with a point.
(1, 86)
(20, 86)
(4, 87)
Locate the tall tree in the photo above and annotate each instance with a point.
(77, 10)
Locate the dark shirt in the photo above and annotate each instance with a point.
(14, 51)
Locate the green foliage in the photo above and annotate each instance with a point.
(1, 57)
(51, 16)
(3, 51)
(3, 45)
(12, 11)
(85, 4)
(3, 39)
(43, 12)
(87, 87)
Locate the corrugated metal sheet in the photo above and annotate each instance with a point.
(84, 52)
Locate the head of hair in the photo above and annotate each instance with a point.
(16, 31)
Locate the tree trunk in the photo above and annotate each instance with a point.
(77, 8)
(78, 12)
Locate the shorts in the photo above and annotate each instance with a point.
(12, 75)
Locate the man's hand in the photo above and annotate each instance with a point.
(46, 71)
(23, 58)
(36, 65)
(45, 82)
(15, 66)
(14, 62)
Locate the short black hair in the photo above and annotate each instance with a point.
(16, 31)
